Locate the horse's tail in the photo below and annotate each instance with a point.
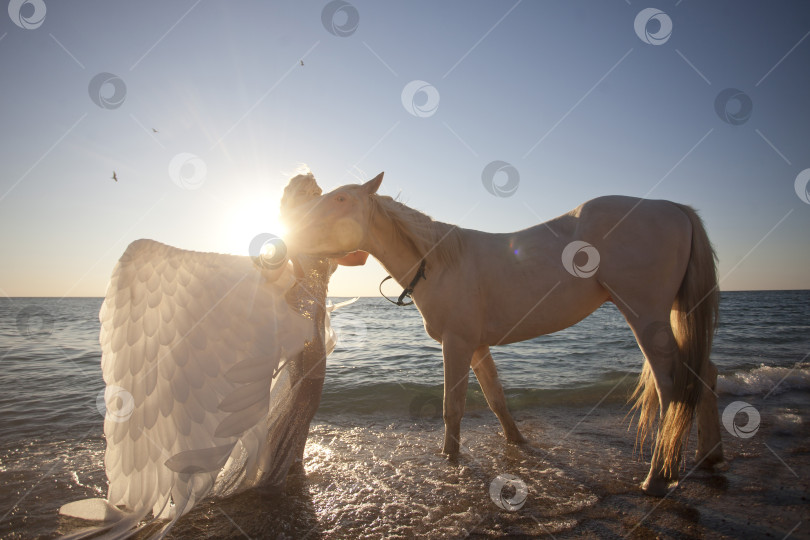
(694, 320)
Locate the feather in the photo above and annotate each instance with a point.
(92, 509)
(189, 352)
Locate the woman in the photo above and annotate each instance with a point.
(307, 369)
(212, 375)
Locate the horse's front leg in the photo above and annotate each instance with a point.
(457, 354)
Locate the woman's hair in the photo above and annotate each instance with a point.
(300, 189)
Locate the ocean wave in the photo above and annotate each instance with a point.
(424, 401)
(765, 380)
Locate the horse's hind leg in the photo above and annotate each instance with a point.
(657, 341)
(710, 447)
(487, 375)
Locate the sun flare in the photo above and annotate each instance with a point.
(249, 219)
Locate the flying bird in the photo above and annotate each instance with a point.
(115, 176)
(155, 131)
(302, 62)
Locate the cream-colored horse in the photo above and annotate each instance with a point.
(652, 259)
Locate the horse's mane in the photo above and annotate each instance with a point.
(431, 239)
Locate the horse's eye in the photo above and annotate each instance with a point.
(340, 198)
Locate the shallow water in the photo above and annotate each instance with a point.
(373, 465)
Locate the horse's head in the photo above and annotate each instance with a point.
(335, 223)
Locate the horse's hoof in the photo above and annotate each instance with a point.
(450, 449)
(451, 454)
(717, 466)
(516, 439)
(712, 462)
(657, 488)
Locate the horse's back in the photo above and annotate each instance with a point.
(532, 281)
(618, 214)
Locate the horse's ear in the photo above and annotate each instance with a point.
(373, 185)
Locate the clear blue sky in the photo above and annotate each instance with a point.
(568, 93)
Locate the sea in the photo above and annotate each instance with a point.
(373, 464)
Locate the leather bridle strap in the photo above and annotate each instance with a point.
(420, 274)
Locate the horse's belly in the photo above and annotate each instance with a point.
(539, 314)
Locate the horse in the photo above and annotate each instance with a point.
(474, 290)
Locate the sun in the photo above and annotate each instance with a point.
(248, 219)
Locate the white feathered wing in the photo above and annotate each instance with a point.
(191, 343)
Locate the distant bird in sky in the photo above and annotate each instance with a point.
(155, 131)
(302, 62)
(115, 176)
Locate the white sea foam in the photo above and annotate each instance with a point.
(765, 379)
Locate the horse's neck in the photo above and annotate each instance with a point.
(399, 258)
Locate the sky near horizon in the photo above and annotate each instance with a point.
(204, 111)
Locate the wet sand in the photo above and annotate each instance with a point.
(375, 477)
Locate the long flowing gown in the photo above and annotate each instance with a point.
(212, 379)
(288, 425)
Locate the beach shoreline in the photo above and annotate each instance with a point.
(373, 476)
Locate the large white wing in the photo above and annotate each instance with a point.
(190, 344)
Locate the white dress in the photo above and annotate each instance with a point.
(195, 349)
